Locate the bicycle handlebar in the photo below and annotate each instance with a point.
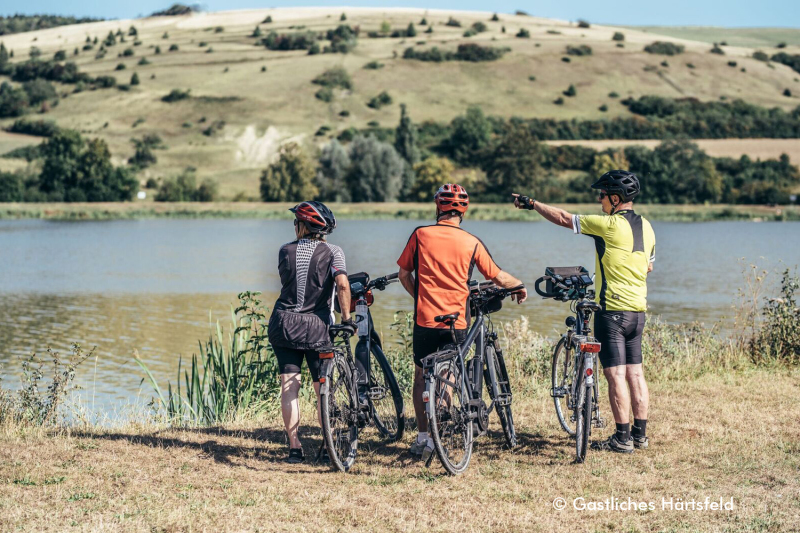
(383, 281)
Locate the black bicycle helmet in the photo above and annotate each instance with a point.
(316, 216)
(620, 182)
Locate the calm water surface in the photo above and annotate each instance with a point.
(157, 285)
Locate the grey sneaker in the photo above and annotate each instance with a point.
(640, 442)
(613, 444)
(417, 448)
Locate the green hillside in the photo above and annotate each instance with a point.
(256, 98)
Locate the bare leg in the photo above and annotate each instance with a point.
(290, 406)
(419, 405)
(618, 393)
(640, 395)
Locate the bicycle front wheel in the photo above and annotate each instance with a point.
(503, 402)
(385, 399)
(449, 421)
(563, 370)
(584, 424)
(339, 414)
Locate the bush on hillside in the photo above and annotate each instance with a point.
(664, 48)
(523, 33)
(452, 22)
(618, 36)
(583, 24)
(38, 91)
(465, 52)
(581, 50)
(334, 77)
(792, 61)
(39, 128)
(377, 102)
(290, 41)
(717, 50)
(374, 65)
(176, 95)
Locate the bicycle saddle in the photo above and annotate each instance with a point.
(447, 319)
(588, 304)
(338, 329)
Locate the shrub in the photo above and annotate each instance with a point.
(344, 113)
(717, 50)
(267, 20)
(373, 65)
(613, 94)
(423, 22)
(731, 63)
(787, 92)
(105, 82)
(377, 102)
(256, 32)
(176, 95)
(61, 55)
(583, 24)
(792, 61)
(214, 128)
(39, 128)
(325, 94)
(566, 59)
(603, 108)
(760, 56)
(581, 50)
(667, 48)
(479, 27)
(38, 91)
(201, 44)
(173, 48)
(470, 33)
(571, 91)
(778, 339)
(334, 77)
(470, 134)
(554, 32)
(411, 31)
(620, 45)
(143, 61)
(289, 41)
(429, 30)
(690, 65)
(495, 18)
(314, 50)
(559, 101)
(120, 66)
(135, 79)
(523, 33)
(219, 29)
(780, 45)
(127, 52)
(618, 36)
(12, 187)
(465, 52)
(531, 78)
(452, 22)
(183, 188)
(290, 178)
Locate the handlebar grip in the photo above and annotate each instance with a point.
(538, 290)
(392, 276)
(515, 289)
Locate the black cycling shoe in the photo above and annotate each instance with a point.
(614, 444)
(640, 442)
(295, 456)
(324, 458)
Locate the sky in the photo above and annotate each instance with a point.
(730, 13)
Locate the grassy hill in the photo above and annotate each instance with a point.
(262, 108)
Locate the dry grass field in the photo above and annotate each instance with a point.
(262, 109)
(735, 148)
(719, 437)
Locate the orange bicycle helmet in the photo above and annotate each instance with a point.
(452, 197)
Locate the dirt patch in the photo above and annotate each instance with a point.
(254, 149)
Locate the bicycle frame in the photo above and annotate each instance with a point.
(585, 362)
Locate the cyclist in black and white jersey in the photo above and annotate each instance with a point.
(311, 270)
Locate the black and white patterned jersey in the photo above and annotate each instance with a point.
(307, 268)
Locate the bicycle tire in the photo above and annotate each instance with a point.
(338, 414)
(584, 426)
(450, 427)
(504, 385)
(561, 374)
(387, 411)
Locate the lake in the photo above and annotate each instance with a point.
(157, 285)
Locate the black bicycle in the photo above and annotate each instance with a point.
(352, 392)
(455, 407)
(574, 388)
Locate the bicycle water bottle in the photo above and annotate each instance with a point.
(362, 319)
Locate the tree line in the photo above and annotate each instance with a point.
(21, 23)
(493, 158)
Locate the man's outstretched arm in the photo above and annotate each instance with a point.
(553, 214)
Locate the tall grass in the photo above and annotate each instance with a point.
(37, 403)
(234, 376)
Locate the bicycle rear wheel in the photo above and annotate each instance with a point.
(449, 423)
(385, 399)
(584, 423)
(502, 404)
(339, 414)
(561, 382)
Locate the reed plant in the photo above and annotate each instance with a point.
(234, 376)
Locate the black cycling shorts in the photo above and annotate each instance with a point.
(429, 340)
(620, 336)
(290, 361)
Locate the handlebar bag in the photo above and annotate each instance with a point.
(494, 304)
(358, 277)
(564, 272)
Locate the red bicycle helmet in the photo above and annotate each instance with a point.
(316, 216)
(452, 197)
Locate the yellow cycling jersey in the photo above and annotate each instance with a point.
(625, 245)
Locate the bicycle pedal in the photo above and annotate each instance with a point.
(377, 393)
(503, 399)
(599, 423)
(558, 392)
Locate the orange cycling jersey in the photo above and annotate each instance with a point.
(443, 257)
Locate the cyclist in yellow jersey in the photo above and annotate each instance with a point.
(625, 245)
